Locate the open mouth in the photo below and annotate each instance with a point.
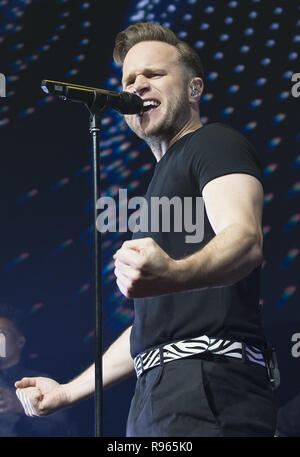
(149, 105)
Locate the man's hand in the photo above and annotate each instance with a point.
(41, 396)
(143, 269)
(9, 402)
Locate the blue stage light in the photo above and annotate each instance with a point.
(239, 68)
(283, 95)
(228, 20)
(182, 34)
(17, 47)
(53, 38)
(85, 24)
(212, 76)
(171, 9)
(204, 26)
(72, 72)
(139, 16)
(249, 31)
(287, 74)
(293, 56)
(227, 111)
(84, 42)
(79, 58)
(233, 89)
(207, 97)
(274, 142)
(218, 55)
(253, 15)
(260, 82)
(142, 4)
(265, 62)
(199, 44)
(32, 58)
(250, 126)
(279, 118)
(270, 43)
(244, 49)
(224, 37)
(209, 9)
(255, 103)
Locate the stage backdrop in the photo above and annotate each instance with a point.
(250, 51)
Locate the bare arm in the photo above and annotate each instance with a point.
(42, 396)
(117, 364)
(234, 207)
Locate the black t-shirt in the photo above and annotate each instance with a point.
(230, 312)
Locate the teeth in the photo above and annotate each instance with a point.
(150, 102)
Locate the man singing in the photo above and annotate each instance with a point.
(196, 342)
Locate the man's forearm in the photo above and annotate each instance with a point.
(117, 361)
(117, 364)
(227, 258)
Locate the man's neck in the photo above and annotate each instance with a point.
(159, 146)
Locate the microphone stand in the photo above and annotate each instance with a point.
(94, 126)
(95, 108)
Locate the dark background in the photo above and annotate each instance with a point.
(250, 50)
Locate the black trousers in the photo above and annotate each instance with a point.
(203, 397)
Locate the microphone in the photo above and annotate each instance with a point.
(124, 102)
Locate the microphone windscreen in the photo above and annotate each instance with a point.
(131, 103)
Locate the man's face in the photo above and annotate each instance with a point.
(152, 70)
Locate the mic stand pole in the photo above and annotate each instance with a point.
(94, 126)
(95, 108)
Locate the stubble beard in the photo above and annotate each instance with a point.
(175, 115)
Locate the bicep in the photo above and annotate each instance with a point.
(234, 198)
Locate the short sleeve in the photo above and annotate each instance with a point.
(219, 150)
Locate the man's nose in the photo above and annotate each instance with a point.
(141, 85)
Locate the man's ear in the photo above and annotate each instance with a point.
(196, 89)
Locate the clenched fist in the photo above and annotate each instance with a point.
(41, 396)
(143, 269)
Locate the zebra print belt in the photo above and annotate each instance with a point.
(194, 346)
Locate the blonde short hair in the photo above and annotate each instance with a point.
(146, 31)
